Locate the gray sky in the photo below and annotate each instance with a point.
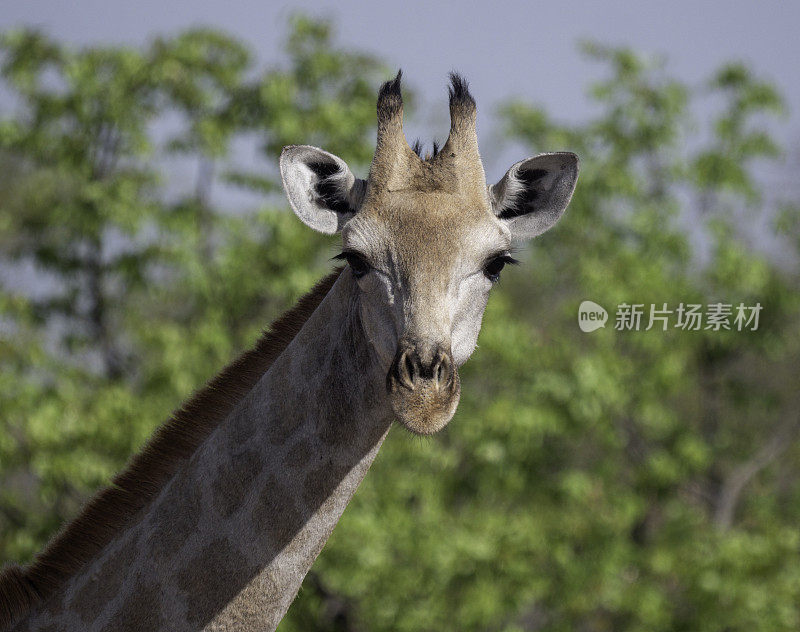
(517, 48)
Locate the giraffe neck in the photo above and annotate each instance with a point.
(226, 544)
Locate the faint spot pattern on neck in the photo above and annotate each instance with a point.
(115, 507)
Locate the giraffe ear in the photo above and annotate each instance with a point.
(322, 190)
(534, 193)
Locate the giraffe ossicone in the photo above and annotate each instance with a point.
(216, 522)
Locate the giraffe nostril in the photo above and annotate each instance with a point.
(438, 373)
(406, 372)
(410, 371)
(443, 372)
(409, 365)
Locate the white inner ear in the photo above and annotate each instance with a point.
(532, 203)
(301, 184)
(513, 189)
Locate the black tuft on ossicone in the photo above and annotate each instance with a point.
(391, 87)
(390, 98)
(459, 92)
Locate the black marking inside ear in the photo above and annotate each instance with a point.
(459, 92)
(524, 193)
(390, 98)
(417, 147)
(531, 175)
(328, 188)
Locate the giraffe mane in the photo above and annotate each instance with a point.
(147, 473)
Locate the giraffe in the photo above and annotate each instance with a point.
(216, 522)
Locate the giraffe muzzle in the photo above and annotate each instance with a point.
(423, 387)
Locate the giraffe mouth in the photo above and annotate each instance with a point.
(423, 388)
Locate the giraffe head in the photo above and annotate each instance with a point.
(426, 240)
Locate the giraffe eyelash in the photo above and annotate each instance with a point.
(358, 264)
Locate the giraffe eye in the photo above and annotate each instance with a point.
(357, 263)
(495, 265)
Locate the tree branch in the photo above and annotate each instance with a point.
(735, 482)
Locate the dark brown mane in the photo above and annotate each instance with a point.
(115, 507)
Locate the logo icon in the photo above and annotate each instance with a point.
(591, 316)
